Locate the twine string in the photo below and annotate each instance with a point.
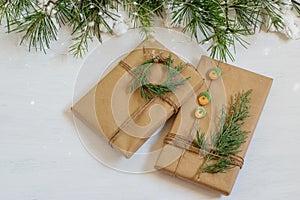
(166, 98)
(188, 145)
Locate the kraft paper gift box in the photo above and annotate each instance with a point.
(125, 118)
(181, 160)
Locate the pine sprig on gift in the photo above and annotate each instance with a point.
(149, 90)
(222, 23)
(225, 144)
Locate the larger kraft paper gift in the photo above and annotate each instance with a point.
(180, 158)
(125, 118)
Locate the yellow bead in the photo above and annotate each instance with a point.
(213, 75)
(204, 98)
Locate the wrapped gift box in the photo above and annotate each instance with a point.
(182, 161)
(125, 118)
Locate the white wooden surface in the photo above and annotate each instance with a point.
(42, 158)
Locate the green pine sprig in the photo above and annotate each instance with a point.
(149, 90)
(39, 30)
(143, 12)
(88, 17)
(12, 10)
(223, 145)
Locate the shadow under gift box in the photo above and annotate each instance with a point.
(125, 118)
(185, 164)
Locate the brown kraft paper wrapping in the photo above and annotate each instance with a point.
(125, 118)
(185, 164)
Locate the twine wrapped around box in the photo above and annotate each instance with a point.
(172, 101)
(188, 145)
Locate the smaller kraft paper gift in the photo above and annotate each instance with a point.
(134, 99)
(211, 133)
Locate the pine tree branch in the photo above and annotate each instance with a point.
(142, 13)
(87, 18)
(296, 6)
(271, 10)
(12, 10)
(39, 29)
(213, 19)
(80, 46)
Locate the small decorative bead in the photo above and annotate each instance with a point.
(214, 73)
(204, 98)
(200, 112)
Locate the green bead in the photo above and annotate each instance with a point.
(200, 112)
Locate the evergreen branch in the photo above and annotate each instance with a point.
(12, 10)
(223, 23)
(296, 6)
(222, 40)
(39, 29)
(87, 18)
(5, 12)
(247, 14)
(271, 10)
(149, 90)
(142, 12)
(64, 12)
(227, 141)
(80, 46)
(200, 140)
